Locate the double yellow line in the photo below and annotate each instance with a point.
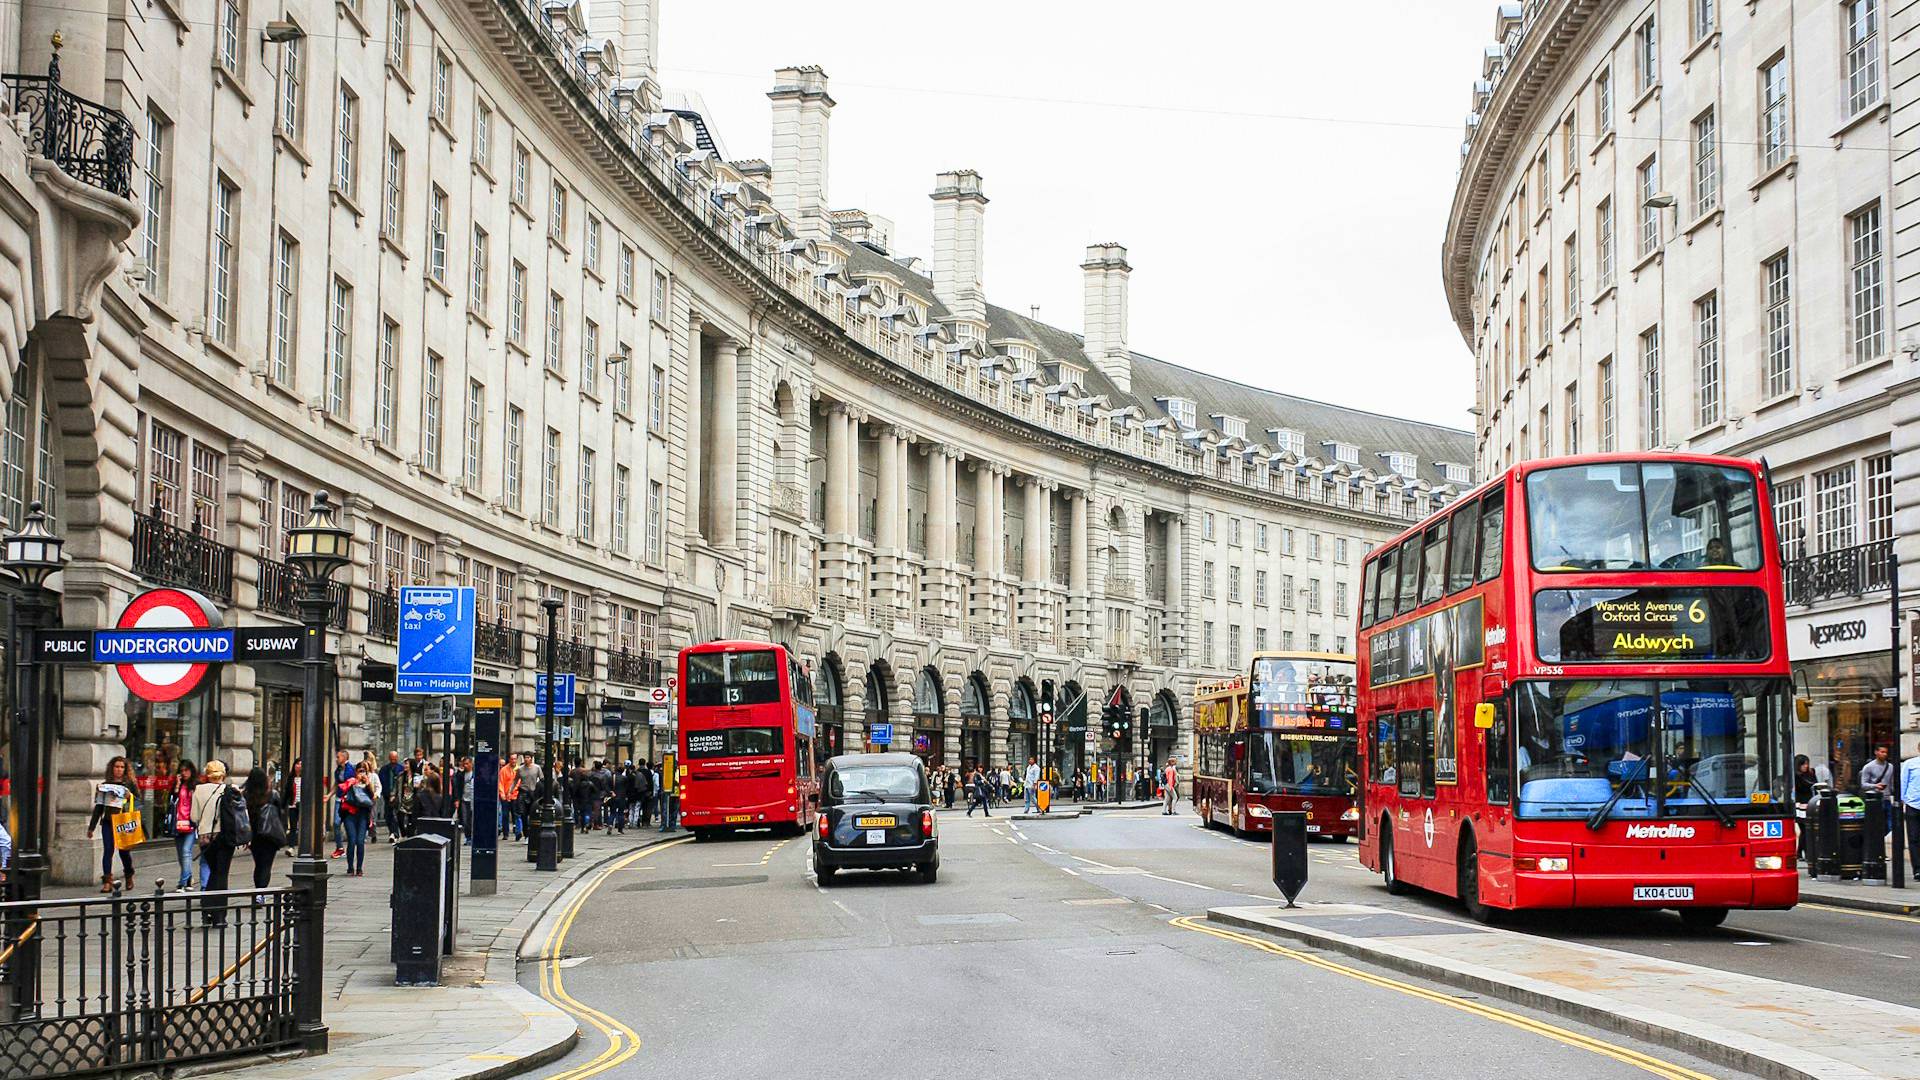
(1651, 1064)
(622, 1041)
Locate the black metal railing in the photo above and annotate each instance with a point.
(279, 592)
(88, 141)
(633, 668)
(497, 642)
(383, 615)
(1853, 571)
(169, 555)
(569, 654)
(135, 983)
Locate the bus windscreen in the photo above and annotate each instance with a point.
(1291, 692)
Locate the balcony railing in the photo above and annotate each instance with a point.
(1853, 571)
(169, 555)
(793, 596)
(279, 593)
(383, 615)
(89, 142)
(569, 654)
(498, 642)
(631, 668)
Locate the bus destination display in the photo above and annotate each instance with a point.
(1654, 624)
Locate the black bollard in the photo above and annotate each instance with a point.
(1290, 852)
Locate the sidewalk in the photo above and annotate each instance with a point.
(1770, 1028)
(1862, 896)
(478, 1023)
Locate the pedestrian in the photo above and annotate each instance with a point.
(1877, 775)
(951, 783)
(369, 767)
(1910, 803)
(342, 772)
(355, 798)
(1169, 785)
(269, 823)
(509, 788)
(185, 849)
(210, 820)
(643, 783)
(1033, 785)
(430, 801)
(390, 778)
(112, 797)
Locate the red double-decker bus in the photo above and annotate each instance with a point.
(746, 739)
(1574, 692)
(1282, 738)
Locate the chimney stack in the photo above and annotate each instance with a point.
(1106, 273)
(800, 109)
(959, 245)
(633, 26)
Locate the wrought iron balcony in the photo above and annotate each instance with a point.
(633, 668)
(169, 555)
(279, 592)
(497, 642)
(88, 141)
(569, 655)
(1851, 572)
(383, 615)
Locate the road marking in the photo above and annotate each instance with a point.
(1826, 944)
(1646, 1062)
(622, 1041)
(1863, 914)
(1045, 848)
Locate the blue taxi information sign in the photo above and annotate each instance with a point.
(436, 641)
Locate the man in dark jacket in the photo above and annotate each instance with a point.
(643, 792)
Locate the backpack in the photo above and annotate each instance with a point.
(235, 826)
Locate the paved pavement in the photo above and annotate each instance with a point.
(728, 959)
(479, 1023)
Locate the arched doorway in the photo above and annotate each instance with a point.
(1163, 727)
(929, 718)
(1022, 709)
(974, 722)
(875, 691)
(829, 717)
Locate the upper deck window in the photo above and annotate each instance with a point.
(1643, 516)
(733, 678)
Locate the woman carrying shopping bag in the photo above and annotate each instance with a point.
(113, 804)
(185, 840)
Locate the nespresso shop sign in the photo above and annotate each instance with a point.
(1862, 628)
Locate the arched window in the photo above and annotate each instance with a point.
(973, 698)
(1162, 714)
(926, 693)
(1020, 702)
(876, 694)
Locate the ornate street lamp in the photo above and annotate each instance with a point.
(546, 843)
(316, 549)
(33, 555)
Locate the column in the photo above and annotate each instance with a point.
(887, 529)
(1039, 531)
(1173, 633)
(939, 506)
(1079, 595)
(725, 495)
(696, 461)
(838, 482)
(986, 544)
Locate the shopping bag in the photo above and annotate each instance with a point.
(127, 833)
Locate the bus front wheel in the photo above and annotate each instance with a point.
(1699, 919)
(1469, 885)
(1388, 871)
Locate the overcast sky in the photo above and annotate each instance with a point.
(1279, 172)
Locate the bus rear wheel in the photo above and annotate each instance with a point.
(1701, 919)
(1388, 871)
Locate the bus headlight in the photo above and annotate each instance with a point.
(1766, 862)
(1352, 814)
(1548, 864)
(1259, 811)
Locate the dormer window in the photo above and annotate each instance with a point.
(1292, 442)
(1185, 411)
(1403, 463)
(1233, 427)
(1457, 474)
(1345, 453)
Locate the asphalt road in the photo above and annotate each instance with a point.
(1050, 949)
(1861, 953)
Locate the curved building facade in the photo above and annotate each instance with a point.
(1678, 224)
(465, 265)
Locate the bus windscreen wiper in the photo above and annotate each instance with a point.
(1713, 804)
(1599, 817)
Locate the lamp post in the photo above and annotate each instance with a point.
(546, 844)
(33, 554)
(316, 550)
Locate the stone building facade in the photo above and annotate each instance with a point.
(465, 265)
(1685, 224)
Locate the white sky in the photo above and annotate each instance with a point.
(1280, 172)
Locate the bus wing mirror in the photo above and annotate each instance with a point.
(1803, 710)
(1483, 715)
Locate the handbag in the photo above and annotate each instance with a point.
(273, 824)
(127, 832)
(360, 797)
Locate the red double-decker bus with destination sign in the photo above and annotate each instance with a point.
(1574, 692)
(746, 739)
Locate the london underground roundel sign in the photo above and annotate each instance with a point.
(166, 609)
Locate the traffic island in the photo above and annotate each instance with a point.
(1760, 1026)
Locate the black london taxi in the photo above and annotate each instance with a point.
(876, 813)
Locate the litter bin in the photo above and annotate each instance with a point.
(448, 829)
(1873, 837)
(418, 898)
(1851, 845)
